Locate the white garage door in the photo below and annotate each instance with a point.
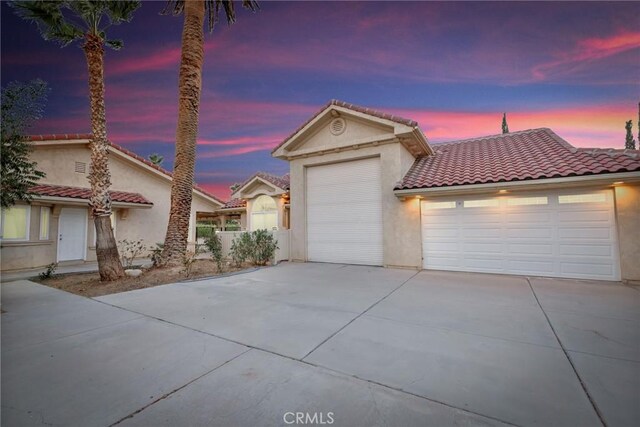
(551, 234)
(344, 213)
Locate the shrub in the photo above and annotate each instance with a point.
(156, 254)
(190, 257)
(240, 249)
(263, 247)
(214, 244)
(130, 250)
(49, 272)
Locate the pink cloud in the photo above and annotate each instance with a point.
(156, 61)
(601, 126)
(585, 52)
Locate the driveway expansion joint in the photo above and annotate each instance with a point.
(164, 396)
(566, 353)
(361, 314)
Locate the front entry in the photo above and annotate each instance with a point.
(72, 234)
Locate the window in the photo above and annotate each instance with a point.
(521, 201)
(45, 215)
(583, 198)
(481, 203)
(439, 205)
(15, 223)
(264, 214)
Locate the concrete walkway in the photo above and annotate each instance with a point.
(356, 345)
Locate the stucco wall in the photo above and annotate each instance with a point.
(628, 221)
(131, 223)
(401, 220)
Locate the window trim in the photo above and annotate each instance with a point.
(265, 212)
(27, 227)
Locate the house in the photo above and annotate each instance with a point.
(56, 226)
(260, 202)
(368, 188)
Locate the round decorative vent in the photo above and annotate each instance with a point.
(338, 126)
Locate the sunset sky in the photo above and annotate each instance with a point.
(454, 67)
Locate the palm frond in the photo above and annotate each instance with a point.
(48, 17)
(121, 11)
(176, 7)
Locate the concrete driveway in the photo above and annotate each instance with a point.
(343, 345)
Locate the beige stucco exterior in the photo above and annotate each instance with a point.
(628, 221)
(363, 137)
(366, 137)
(58, 161)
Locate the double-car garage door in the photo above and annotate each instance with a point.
(553, 233)
(568, 234)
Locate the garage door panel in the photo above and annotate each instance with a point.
(531, 265)
(528, 217)
(471, 247)
(586, 250)
(344, 212)
(602, 215)
(587, 269)
(472, 232)
(530, 248)
(532, 235)
(534, 232)
(585, 233)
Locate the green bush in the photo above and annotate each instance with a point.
(49, 272)
(214, 244)
(263, 247)
(156, 254)
(240, 249)
(204, 231)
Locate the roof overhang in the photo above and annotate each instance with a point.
(243, 192)
(124, 156)
(84, 202)
(411, 137)
(607, 179)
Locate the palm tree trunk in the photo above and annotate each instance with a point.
(109, 264)
(190, 85)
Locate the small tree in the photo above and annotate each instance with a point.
(214, 244)
(241, 248)
(156, 159)
(630, 143)
(505, 126)
(263, 247)
(22, 104)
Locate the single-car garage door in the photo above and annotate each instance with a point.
(568, 234)
(344, 212)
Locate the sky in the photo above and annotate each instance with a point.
(454, 67)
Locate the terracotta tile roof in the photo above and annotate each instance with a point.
(85, 194)
(279, 181)
(353, 107)
(73, 136)
(235, 204)
(517, 156)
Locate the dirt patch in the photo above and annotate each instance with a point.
(89, 284)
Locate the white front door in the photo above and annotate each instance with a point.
(344, 212)
(72, 234)
(558, 234)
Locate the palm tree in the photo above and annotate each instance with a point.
(190, 86)
(156, 159)
(66, 22)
